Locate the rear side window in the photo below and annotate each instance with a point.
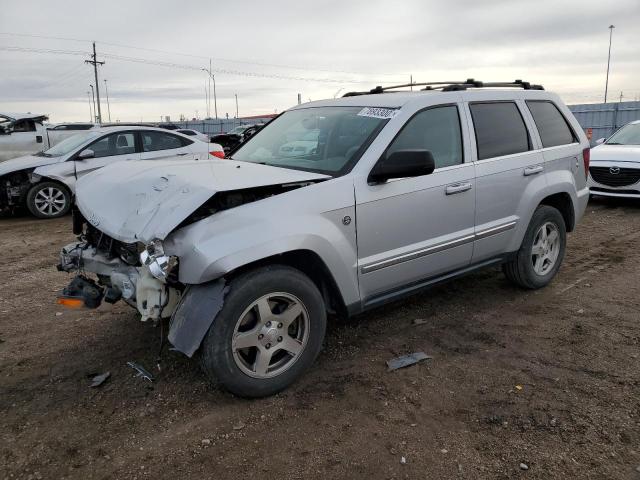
(435, 129)
(499, 128)
(153, 141)
(552, 126)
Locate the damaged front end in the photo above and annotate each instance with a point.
(140, 275)
(14, 188)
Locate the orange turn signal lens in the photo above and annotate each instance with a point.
(217, 154)
(70, 302)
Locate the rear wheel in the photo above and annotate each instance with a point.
(48, 200)
(542, 250)
(269, 331)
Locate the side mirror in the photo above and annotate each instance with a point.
(600, 141)
(402, 164)
(85, 154)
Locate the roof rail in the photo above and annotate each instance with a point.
(450, 86)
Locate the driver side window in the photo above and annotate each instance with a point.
(120, 143)
(435, 129)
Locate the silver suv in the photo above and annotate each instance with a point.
(400, 190)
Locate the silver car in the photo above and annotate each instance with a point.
(45, 182)
(247, 256)
(615, 164)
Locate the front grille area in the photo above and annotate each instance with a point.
(624, 177)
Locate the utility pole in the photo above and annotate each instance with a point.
(606, 85)
(237, 116)
(95, 117)
(95, 64)
(107, 92)
(90, 110)
(620, 97)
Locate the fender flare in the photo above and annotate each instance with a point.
(195, 314)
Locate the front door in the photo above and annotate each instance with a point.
(109, 149)
(412, 229)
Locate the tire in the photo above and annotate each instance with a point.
(49, 200)
(244, 331)
(523, 269)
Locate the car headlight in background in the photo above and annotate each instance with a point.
(159, 264)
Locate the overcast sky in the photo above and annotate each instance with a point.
(267, 52)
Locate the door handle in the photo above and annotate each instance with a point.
(457, 188)
(180, 154)
(533, 170)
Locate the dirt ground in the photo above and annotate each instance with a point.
(549, 379)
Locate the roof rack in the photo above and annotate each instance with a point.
(450, 86)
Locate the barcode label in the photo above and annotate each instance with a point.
(378, 112)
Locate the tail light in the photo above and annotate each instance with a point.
(219, 154)
(586, 157)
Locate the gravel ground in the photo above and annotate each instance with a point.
(522, 384)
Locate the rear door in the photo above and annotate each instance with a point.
(411, 229)
(509, 165)
(158, 145)
(114, 147)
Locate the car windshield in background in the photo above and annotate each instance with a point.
(69, 144)
(627, 135)
(322, 139)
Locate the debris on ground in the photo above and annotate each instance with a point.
(141, 371)
(403, 460)
(239, 426)
(98, 380)
(406, 360)
(524, 466)
(518, 387)
(419, 321)
(206, 441)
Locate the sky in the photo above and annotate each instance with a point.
(268, 52)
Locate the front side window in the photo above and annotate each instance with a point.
(437, 130)
(154, 141)
(326, 140)
(121, 143)
(552, 126)
(24, 126)
(627, 135)
(499, 129)
(69, 144)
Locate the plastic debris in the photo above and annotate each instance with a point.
(141, 371)
(419, 321)
(98, 380)
(518, 387)
(524, 466)
(403, 460)
(406, 360)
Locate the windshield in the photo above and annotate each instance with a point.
(69, 144)
(323, 139)
(627, 135)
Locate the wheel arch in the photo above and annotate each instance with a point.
(312, 265)
(562, 202)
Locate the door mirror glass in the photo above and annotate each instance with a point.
(403, 164)
(600, 141)
(87, 153)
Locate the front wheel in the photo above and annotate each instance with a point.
(269, 331)
(542, 251)
(48, 200)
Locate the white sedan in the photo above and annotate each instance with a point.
(45, 182)
(614, 170)
(195, 134)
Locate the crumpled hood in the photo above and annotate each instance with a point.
(616, 153)
(28, 161)
(142, 200)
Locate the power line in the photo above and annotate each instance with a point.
(217, 59)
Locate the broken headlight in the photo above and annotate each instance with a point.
(159, 264)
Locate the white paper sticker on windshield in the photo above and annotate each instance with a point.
(378, 112)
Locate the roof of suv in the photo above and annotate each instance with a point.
(391, 98)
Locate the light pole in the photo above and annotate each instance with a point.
(94, 104)
(606, 85)
(237, 116)
(215, 100)
(90, 110)
(107, 92)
